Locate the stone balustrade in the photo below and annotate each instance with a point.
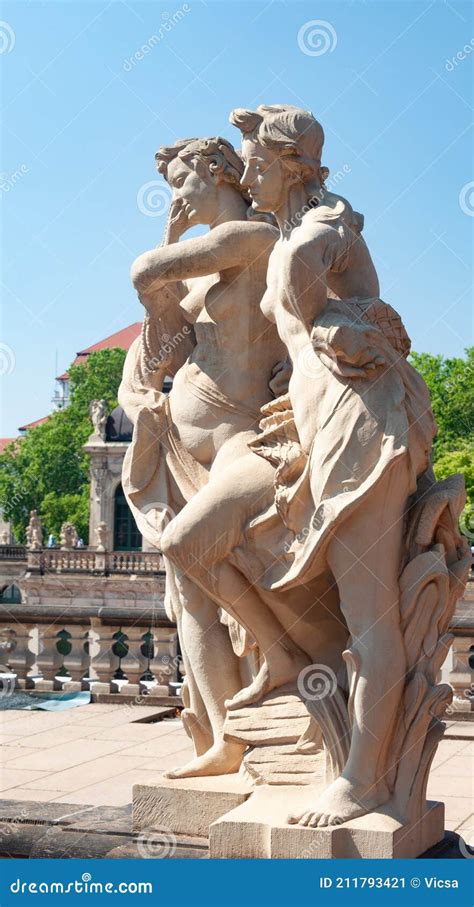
(87, 619)
(13, 552)
(84, 560)
(89, 655)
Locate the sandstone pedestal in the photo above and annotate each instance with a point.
(258, 829)
(187, 806)
(245, 824)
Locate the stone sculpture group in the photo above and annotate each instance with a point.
(313, 561)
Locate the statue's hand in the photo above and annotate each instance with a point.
(281, 374)
(353, 352)
(177, 221)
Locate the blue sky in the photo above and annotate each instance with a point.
(82, 123)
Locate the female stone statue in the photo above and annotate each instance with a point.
(190, 459)
(353, 436)
(314, 533)
(364, 425)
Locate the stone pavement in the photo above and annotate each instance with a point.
(92, 756)
(88, 755)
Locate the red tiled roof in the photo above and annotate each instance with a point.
(33, 424)
(4, 442)
(122, 339)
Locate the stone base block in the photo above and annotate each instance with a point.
(258, 829)
(187, 806)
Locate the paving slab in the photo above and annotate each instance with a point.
(104, 768)
(115, 791)
(58, 758)
(51, 738)
(12, 777)
(26, 794)
(459, 730)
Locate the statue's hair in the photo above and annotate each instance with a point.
(293, 133)
(217, 153)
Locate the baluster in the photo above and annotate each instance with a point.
(148, 650)
(69, 659)
(91, 649)
(120, 649)
(46, 658)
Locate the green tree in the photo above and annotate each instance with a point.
(47, 469)
(451, 385)
(460, 460)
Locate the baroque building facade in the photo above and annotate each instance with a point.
(90, 617)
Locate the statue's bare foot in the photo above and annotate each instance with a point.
(285, 668)
(341, 801)
(222, 759)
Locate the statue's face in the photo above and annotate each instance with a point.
(194, 185)
(263, 176)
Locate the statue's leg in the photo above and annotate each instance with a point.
(215, 671)
(365, 558)
(198, 542)
(194, 715)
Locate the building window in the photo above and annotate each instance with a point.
(126, 535)
(10, 595)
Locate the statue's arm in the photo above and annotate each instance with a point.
(225, 247)
(305, 268)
